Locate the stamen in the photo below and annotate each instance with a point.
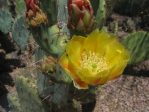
(91, 61)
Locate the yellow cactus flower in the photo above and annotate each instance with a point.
(94, 59)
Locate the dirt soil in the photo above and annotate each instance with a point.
(126, 94)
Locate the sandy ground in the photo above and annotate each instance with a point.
(126, 94)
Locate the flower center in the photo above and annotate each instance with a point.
(93, 62)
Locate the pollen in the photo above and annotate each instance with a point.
(93, 62)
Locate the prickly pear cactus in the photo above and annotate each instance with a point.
(67, 68)
(27, 92)
(13, 100)
(20, 32)
(101, 13)
(5, 20)
(53, 39)
(137, 43)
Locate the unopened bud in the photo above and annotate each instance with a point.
(80, 15)
(35, 16)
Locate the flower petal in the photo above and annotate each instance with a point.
(97, 41)
(71, 71)
(116, 53)
(74, 49)
(91, 41)
(118, 57)
(117, 70)
(93, 79)
(78, 83)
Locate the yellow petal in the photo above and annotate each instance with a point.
(74, 49)
(93, 79)
(117, 57)
(91, 41)
(63, 61)
(118, 63)
(118, 68)
(97, 41)
(78, 83)
(71, 71)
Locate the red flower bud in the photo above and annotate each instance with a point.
(80, 15)
(35, 15)
(32, 5)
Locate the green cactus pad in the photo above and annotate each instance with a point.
(52, 40)
(138, 45)
(101, 13)
(28, 96)
(20, 7)
(14, 102)
(50, 7)
(5, 20)
(20, 32)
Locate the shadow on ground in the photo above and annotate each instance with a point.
(6, 67)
